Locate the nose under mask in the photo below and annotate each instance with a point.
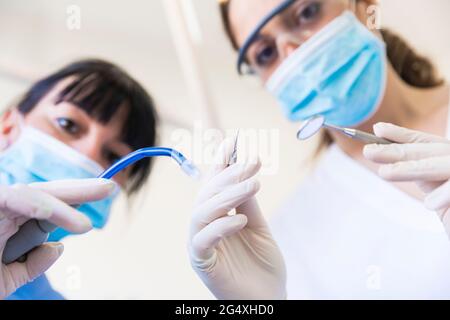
(38, 157)
(339, 73)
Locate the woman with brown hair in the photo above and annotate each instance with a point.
(345, 232)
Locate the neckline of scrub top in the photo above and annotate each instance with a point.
(414, 215)
(402, 208)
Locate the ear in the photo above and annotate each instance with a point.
(367, 12)
(10, 126)
(368, 2)
(363, 5)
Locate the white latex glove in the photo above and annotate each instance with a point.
(46, 201)
(418, 157)
(235, 255)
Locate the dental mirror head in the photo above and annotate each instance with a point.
(310, 127)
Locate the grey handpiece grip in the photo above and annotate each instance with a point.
(30, 235)
(370, 138)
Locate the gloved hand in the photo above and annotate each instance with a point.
(235, 255)
(418, 157)
(46, 201)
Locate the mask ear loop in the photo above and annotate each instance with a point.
(353, 6)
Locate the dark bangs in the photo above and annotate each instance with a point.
(101, 89)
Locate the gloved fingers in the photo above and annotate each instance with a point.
(77, 191)
(405, 152)
(38, 261)
(440, 198)
(221, 204)
(204, 243)
(428, 187)
(432, 169)
(253, 212)
(444, 216)
(23, 201)
(403, 135)
(234, 174)
(222, 158)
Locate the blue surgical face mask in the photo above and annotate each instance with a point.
(339, 73)
(38, 157)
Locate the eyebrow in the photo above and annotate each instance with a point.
(255, 33)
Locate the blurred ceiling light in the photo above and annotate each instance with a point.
(185, 45)
(192, 21)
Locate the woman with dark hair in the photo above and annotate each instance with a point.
(73, 124)
(102, 93)
(345, 232)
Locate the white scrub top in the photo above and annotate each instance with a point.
(347, 234)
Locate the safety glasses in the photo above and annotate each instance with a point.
(296, 20)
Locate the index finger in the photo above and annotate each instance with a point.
(402, 135)
(77, 191)
(222, 158)
(25, 202)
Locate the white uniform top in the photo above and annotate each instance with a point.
(347, 234)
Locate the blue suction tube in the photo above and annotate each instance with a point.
(34, 232)
(134, 157)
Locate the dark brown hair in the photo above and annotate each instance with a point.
(101, 88)
(414, 69)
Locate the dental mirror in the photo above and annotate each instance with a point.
(313, 125)
(310, 127)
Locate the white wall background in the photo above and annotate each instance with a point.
(142, 252)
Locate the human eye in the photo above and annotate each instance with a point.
(68, 125)
(309, 12)
(265, 55)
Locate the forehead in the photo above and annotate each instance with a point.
(246, 14)
(53, 93)
(117, 120)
